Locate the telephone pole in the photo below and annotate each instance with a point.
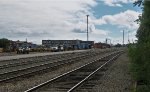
(87, 28)
(128, 37)
(123, 38)
(106, 40)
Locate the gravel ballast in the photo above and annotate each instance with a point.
(21, 84)
(25, 83)
(117, 78)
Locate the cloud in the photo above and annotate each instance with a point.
(117, 3)
(123, 19)
(97, 21)
(79, 31)
(42, 19)
(56, 19)
(81, 27)
(99, 32)
(131, 39)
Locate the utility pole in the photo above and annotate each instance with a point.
(87, 28)
(107, 41)
(123, 37)
(26, 40)
(128, 37)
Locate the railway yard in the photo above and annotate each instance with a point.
(95, 70)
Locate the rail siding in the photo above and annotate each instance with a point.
(34, 55)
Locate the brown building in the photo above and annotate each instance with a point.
(101, 45)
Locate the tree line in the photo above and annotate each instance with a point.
(140, 53)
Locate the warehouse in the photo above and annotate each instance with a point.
(68, 44)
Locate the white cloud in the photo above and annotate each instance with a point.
(42, 19)
(56, 19)
(97, 21)
(93, 32)
(124, 19)
(99, 32)
(117, 3)
(132, 38)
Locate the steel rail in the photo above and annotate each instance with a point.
(53, 57)
(28, 62)
(67, 73)
(47, 63)
(91, 74)
(9, 78)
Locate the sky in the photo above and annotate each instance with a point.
(37, 20)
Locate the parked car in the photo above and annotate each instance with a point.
(54, 49)
(22, 50)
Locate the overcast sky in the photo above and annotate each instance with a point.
(66, 19)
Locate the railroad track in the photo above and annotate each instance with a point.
(17, 62)
(73, 79)
(4, 76)
(39, 60)
(25, 61)
(13, 62)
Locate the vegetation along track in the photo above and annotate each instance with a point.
(19, 70)
(71, 80)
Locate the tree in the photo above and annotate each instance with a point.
(141, 56)
(4, 43)
(138, 2)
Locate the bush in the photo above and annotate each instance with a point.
(140, 66)
(140, 54)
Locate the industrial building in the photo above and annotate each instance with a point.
(68, 44)
(16, 44)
